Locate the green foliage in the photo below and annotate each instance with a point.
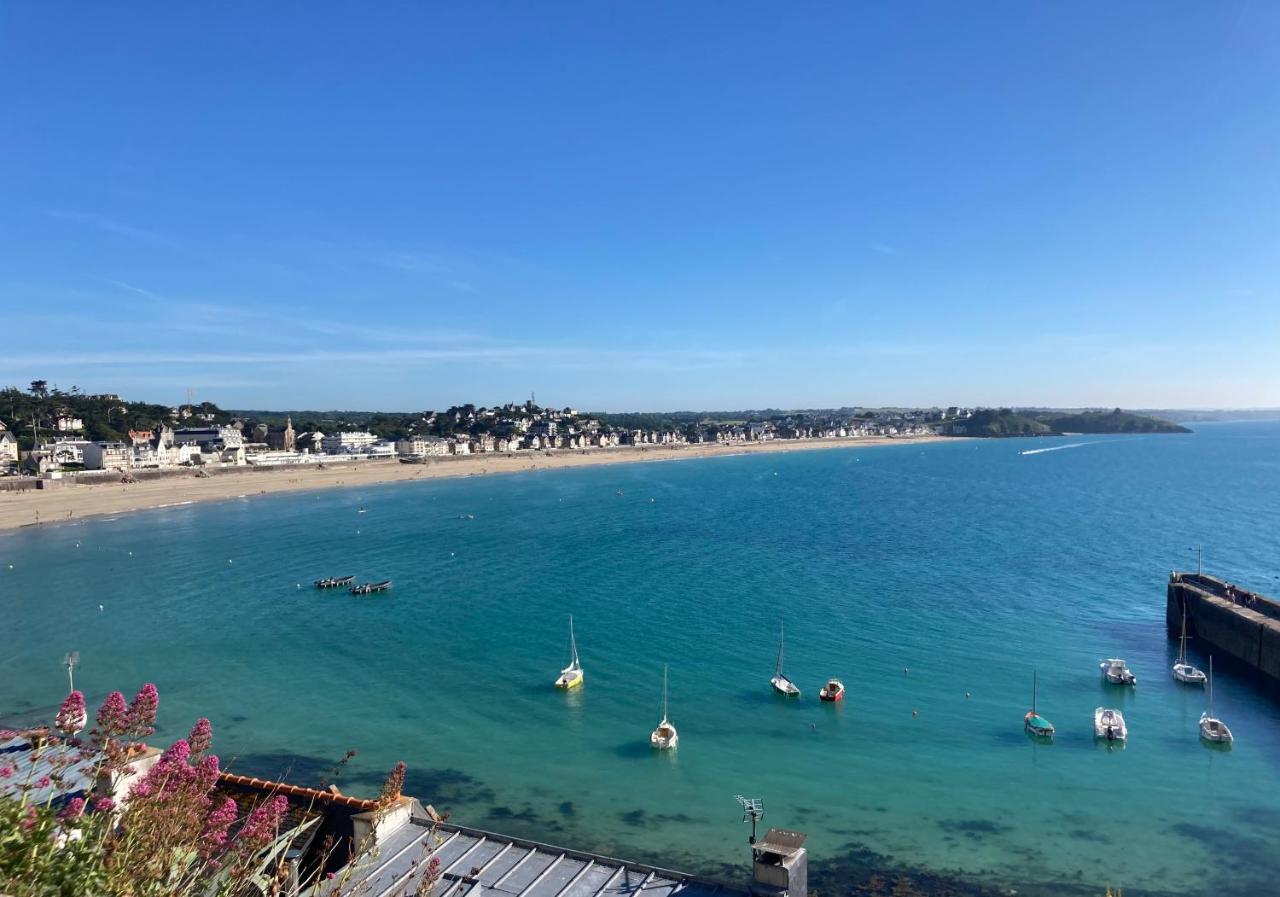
(106, 417)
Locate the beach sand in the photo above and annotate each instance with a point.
(74, 501)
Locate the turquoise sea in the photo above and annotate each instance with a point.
(918, 574)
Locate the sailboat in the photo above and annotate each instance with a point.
(1183, 671)
(665, 736)
(781, 684)
(1212, 728)
(571, 676)
(1033, 722)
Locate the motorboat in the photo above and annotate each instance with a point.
(368, 588)
(572, 675)
(334, 582)
(1033, 722)
(664, 737)
(1116, 672)
(1211, 728)
(1183, 671)
(781, 684)
(832, 691)
(1108, 724)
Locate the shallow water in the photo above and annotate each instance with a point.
(966, 563)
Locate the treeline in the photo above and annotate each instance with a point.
(105, 417)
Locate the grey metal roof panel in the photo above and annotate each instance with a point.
(475, 863)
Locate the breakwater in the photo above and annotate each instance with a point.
(1225, 618)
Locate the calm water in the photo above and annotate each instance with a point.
(967, 563)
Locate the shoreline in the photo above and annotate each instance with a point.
(73, 502)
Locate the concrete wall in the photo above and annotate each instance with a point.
(1221, 626)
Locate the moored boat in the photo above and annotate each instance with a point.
(1033, 722)
(1116, 672)
(664, 737)
(572, 675)
(334, 582)
(1183, 671)
(832, 691)
(1109, 725)
(781, 684)
(1213, 729)
(369, 588)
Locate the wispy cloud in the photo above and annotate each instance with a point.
(112, 226)
(884, 249)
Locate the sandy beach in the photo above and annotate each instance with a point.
(75, 501)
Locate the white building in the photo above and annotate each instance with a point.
(108, 456)
(8, 449)
(423, 446)
(347, 443)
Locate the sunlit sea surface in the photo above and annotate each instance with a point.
(930, 578)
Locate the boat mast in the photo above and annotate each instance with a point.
(1210, 685)
(1033, 692)
(782, 637)
(1182, 649)
(664, 694)
(573, 644)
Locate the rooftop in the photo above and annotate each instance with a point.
(476, 863)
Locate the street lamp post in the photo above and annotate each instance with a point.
(1199, 550)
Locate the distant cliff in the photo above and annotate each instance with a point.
(1010, 422)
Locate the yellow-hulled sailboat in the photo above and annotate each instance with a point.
(571, 676)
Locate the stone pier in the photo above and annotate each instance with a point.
(1226, 619)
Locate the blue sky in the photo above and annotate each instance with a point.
(643, 206)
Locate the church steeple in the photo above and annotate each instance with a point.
(289, 438)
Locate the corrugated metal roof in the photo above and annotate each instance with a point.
(68, 771)
(477, 863)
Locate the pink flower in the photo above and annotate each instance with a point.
(178, 753)
(393, 785)
(142, 712)
(260, 827)
(43, 782)
(103, 805)
(29, 819)
(216, 824)
(5, 772)
(72, 810)
(201, 737)
(207, 773)
(71, 716)
(113, 717)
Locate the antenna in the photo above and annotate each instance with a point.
(753, 809)
(70, 661)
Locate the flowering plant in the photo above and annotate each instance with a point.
(86, 818)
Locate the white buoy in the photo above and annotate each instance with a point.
(100, 608)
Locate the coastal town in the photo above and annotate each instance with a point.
(59, 441)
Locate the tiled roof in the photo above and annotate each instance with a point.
(476, 863)
(314, 794)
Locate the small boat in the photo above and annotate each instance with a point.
(832, 691)
(1033, 722)
(1108, 724)
(1115, 672)
(571, 676)
(664, 737)
(781, 684)
(1211, 728)
(369, 588)
(334, 582)
(1183, 671)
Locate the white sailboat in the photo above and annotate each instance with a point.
(664, 737)
(1109, 724)
(1183, 671)
(571, 676)
(781, 684)
(1212, 728)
